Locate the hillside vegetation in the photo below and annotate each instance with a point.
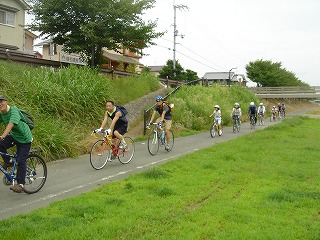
(68, 103)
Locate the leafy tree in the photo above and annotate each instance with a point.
(86, 26)
(270, 74)
(178, 73)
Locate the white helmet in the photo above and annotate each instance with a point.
(261, 104)
(216, 106)
(236, 104)
(252, 104)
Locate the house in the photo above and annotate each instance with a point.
(54, 52)
(121, 60)
(12, 20)
(112, 59)
(224, 77)
(155, 70)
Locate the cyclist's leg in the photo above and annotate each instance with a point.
(5, 144)
(22, 155)
(167, 127)
(119, 131)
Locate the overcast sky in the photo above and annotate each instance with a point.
(220, 35)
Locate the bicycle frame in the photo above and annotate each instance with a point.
(158, 130)
(9, 176)
(107, 138)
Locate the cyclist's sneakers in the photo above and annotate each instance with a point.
(17, 188)
(6, 165)
(167, 147)
(123, 145)
(112, 157)
(220, 132)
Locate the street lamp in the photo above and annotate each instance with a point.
(229, 76)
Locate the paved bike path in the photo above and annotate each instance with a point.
(70, 177)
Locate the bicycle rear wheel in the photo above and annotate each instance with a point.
(126, 155)
(99, 154)
(36, 174)
(171, 143)
(153, 143)
(213, 130)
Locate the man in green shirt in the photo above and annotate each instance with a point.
(17, 133)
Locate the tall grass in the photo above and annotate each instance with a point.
(261, 186)
(194, 105)
(67, 103)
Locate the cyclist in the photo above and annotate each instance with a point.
(118, 126)
(279, 110)
(283, 107)
(236, 112)
(261, 110)
(217, 116)
(17, 133)
(165, 117)
(274, 111)
(252, 112)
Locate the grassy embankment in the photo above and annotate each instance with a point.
(67, 104)
(264, 185)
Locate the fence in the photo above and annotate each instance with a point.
(286, 92)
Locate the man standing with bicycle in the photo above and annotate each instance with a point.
(17, 133)
(165, 117)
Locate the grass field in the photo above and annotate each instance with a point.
(265, 185)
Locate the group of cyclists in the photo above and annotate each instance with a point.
(253, 112)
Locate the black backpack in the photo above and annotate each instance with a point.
(123, 110)
(27, 118)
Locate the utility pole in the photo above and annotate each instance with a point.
(175, 33)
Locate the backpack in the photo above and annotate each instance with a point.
(122, 109)
(27, 118)
(170, 105)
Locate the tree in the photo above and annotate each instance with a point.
(270, 74)
(178, 73)
(86, 26)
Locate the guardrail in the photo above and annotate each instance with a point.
(287, 92)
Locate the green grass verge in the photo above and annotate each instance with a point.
(265, 185)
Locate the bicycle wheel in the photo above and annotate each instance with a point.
(36, 174)
(252, 123)
(126, 155)
(213, 130)
(238, 126)
(171, 143)
(99, 154)
(153, 143)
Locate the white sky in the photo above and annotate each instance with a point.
(220, 35)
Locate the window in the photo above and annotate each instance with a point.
(7, 18)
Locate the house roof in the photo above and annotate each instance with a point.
(119, 58)
(23, 4)
(219, 76)
(155, 68)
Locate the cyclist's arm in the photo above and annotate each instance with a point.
(7, 130)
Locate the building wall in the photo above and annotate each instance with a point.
(13, 34)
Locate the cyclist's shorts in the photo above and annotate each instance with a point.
(122, 129)
(218, 119)
(235, 117)
(167, 124)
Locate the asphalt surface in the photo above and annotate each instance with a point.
(73, 176)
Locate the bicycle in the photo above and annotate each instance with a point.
(157, 138)
(104, 151)
(273, 117)
(214, 129)
(236, 124)
(36, 174)
(261, 119)
(252, 122)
